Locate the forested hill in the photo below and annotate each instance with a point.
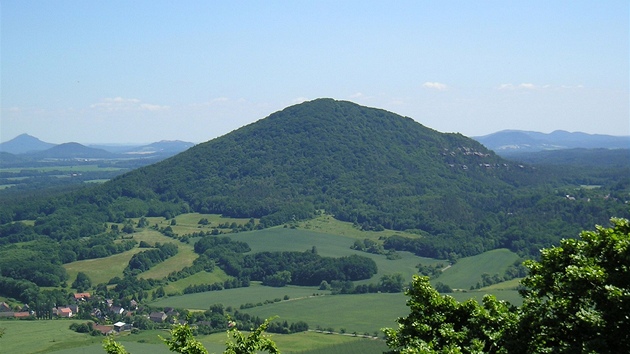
(360, 164)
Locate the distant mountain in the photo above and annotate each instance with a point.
(164, 147)
(360, 164)
(24, 143)
(509, 142)
(74, 151)
(373, 168)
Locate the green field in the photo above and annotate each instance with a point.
(329, 245)
(217, 275)
(467, 271)
(354, 313)
(255, 293)
(101, 270)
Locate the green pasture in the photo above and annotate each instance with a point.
(255, 293)
(27, 337)
(354, 313)
(148, 342)
(217, 275)
(327, 224)
(512, 284)
(329, 245)
(511, 296)
(101, 270)
(467, 271)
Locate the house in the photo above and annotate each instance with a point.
(65, 312)
(74, 308)
(122, 326)
(104, 329)
(81, 296)
(4, 307)
(21, 314)
(158, 317)
(117, 310)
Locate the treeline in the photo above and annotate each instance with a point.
(143, 261)
(282, 268)
(306, 268)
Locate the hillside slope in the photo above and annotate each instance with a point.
(361, 164)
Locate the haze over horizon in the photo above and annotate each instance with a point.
(145, 71)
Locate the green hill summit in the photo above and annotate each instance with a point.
(360, 164)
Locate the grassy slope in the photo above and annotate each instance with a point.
(467, 271)
(236, 297)
(360, 313)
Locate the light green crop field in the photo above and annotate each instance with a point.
(184, 258)
(26, 337)
(101, 270)
(328, 245)
(217, 275)
(328, 224)
(467, 271)
(255, 293)
(355, 313)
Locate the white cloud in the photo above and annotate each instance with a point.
(299, 100)
(435, 85)
(530, 86)
(126, 104)
(356, 95)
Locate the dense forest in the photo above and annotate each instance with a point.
(367, 166)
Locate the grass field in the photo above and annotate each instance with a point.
(217, 275)
(467, 271)
(28, 337)
(329, 245)
(101, 270)
(354, 313)
(235, 297)
(148, 342)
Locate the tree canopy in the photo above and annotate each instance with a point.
(577, 299)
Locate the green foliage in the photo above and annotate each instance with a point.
(439, 324)
(82, 282)
(576, 299)
(183, 341)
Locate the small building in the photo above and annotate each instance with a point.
(64, 312)
(122, 326)
(117, 310)
(4, 307)
(158, 317)
(81, 296)
(104, 329)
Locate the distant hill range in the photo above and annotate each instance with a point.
(27, 147)
(510, 142)
(373, 168)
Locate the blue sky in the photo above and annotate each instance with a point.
(142, 71)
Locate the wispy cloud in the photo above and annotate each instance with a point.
(126, 104)
(298, 100)
(435, 85)
(530, 86)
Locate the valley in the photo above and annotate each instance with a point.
(319, 214)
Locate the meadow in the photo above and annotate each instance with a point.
(359, 314)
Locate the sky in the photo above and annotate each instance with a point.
(144, 71)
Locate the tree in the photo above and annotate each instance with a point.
(82, 282)
(577, 297)
(182, 341)
(439, 324)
